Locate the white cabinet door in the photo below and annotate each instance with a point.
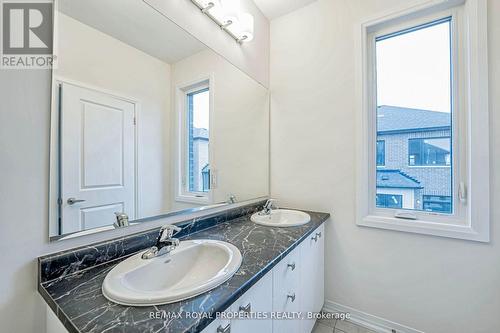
(312, 276)
(257, 299)
(286, 294)
(319, 278)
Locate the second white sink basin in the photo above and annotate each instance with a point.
(191, 269)
(282, 218)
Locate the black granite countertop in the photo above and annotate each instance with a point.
(76, 298)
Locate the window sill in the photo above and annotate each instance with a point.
(423, 227)
(193, 199)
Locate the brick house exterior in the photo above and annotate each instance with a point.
(396, 128)
(198, 160)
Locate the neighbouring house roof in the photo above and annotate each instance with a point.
(398, 119)
(396, 179)
(200, 133)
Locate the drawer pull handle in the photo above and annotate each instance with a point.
(292, 266)
(247, 308)
(318, 234)
(315, 238)
(291, 297)
(226, 329)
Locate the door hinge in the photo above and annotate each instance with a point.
(59, 201)
(135, 122)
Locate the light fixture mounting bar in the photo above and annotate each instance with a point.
(223, 25)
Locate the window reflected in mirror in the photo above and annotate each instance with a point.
(147, 121)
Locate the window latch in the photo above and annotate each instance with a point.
(462, 192)
(213, 179)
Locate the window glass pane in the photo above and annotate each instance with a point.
(437, 204)
(380, 153)
(435, 151)
(414, 118)
(198, 141)
(389, 201)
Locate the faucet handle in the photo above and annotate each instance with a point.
(232, 199)
(271, 204)
(121, 220)
(167, 231)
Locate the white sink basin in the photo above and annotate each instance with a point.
(193, 268)
(282, 218)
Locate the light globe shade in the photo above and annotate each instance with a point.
(246, 26)
(231, 9)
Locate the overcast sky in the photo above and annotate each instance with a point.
(413, 70)
(201, 110)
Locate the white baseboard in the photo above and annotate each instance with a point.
(367, 320)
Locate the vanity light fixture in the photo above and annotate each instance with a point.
(228, 16)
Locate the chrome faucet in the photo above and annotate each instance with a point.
(232, 199)
(164, 243)
(268, 207)
(121, 220)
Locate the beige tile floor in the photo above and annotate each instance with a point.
(338, 326)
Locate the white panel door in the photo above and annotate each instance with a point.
(97, 158)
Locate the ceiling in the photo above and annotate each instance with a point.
(275, 8)
(136, 24)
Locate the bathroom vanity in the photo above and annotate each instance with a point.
(150, 125)
(281, 274)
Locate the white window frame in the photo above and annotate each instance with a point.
(182, 192)
(471, 219)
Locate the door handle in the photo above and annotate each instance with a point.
(292, 266)
(291, 297)
(72, 201)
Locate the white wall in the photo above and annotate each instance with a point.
(239, 128)
(252, 57)
(93, 58)
(429, 283)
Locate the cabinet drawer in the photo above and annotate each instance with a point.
(286, 293)
(219, 325)
(287, 270)
(257, 300)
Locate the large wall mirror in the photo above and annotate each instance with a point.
(147, 120)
